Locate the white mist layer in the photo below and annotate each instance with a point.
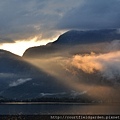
(19, 82)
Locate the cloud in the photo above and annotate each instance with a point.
(107, 64)
(19, 82)
(93, 14)
(6, 40)
(46, 19)
(25, 19)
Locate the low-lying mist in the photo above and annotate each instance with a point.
(107, 64)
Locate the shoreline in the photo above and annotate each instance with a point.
(54, 103)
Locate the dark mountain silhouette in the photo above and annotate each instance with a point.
(21, 80)
(74, 37)
(11, 63)
(71, 40)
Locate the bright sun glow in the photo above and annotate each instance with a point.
(19, 47)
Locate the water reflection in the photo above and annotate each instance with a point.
(47, 109)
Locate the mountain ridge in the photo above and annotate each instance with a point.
(72, 39)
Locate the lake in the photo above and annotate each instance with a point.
(57, 109)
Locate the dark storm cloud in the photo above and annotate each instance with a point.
(19, 18)
(93, 14)
(23, 19)
(7, 40)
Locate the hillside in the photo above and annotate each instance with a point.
(21, 80)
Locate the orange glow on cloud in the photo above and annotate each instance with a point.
(87, 63)
(108, 64)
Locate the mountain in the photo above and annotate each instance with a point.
(21, 80)
(71, 41)
(74, 37)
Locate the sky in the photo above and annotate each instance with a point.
(27, 23)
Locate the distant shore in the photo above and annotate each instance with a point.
(57, 103)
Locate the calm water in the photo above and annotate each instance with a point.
(57, 109)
